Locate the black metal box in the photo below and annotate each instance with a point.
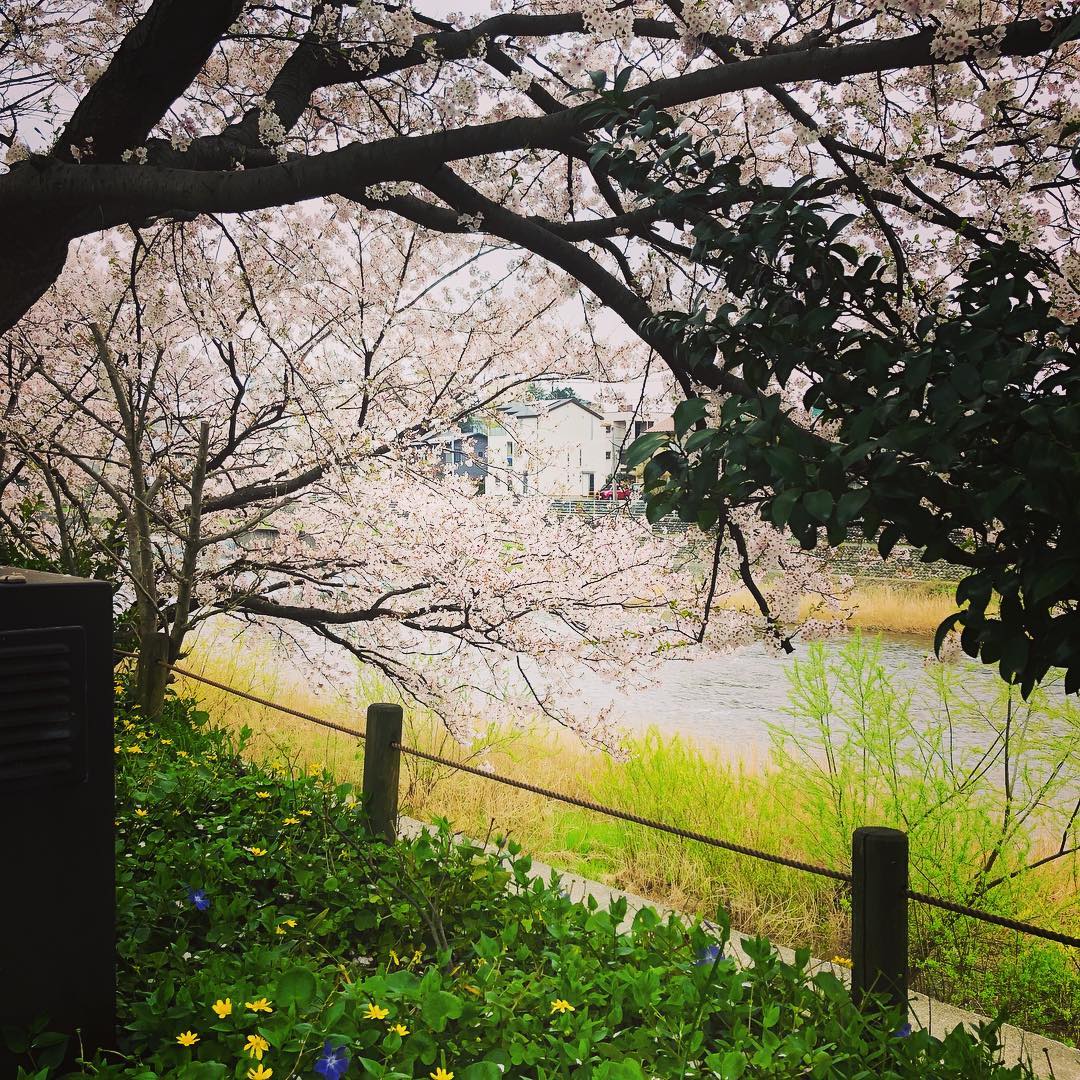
(57, 884)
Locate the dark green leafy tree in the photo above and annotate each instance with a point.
(816, 397)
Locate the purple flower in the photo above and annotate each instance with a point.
(903, 1032)
(199, 898)
(709, 955)
(333, 1063)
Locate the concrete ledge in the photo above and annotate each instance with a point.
(1047, 1057)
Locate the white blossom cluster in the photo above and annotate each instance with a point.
(398, 25)
(606, 23)
(462, 97)
(699, 17)
(521, 80)
(952, 43)
(271, 129)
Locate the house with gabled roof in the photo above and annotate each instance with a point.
(550, 447)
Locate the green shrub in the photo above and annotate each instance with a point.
(984, 785)
(262, 930)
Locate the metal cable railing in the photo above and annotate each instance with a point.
(636, 819)
(625, 815)
(311, 717)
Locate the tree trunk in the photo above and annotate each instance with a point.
(151, 676)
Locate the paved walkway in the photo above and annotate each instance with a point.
(1048, 1057)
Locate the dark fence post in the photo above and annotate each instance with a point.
(879, 922)
(382, 764)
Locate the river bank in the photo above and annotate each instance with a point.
(901, 768)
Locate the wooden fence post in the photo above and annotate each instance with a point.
(382, 764)
(879, 915)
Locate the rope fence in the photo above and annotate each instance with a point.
(625, 815)
(393, 744)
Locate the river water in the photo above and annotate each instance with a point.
(730, 701)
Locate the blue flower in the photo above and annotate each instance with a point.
(709, 955)
(199, 898)
(903, 1032)
(333, 1063)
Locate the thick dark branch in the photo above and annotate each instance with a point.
(153, 66)
(313, 616)
(256, 493)
(142, 191)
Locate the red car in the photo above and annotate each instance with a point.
(619, 492)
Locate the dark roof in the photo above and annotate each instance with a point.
(529, 409)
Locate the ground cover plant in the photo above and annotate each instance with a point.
(263, 933)
(850, 711)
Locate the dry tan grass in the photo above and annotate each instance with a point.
(900, 609)
(895, 609)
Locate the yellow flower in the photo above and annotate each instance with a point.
(376, 1012)
(187, 1038)
(256, 1046)
(416, 957)
(314, 768)
(260, 1073)
(165, 742)
(304, 813)
(843, 961)
(279, 929)
(561, 1005)
(441, 1074)
(262, 794)
(291, 821)
(222, 1008)
(399, 1029)
(133, 749)
(289, 922)
(256, 851)
(182, 753)
(394, 957)
(117, 748)
(258, 1005)
(140, 812)
(143, 735)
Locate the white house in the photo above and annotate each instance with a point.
(622, 427)
(557, 448)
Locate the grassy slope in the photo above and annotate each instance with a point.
(671, 780)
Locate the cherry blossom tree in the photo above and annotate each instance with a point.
(248, 419)
(946, 130)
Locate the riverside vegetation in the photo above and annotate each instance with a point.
(262, 933)
(866, 755)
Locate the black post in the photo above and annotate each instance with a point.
(879, 925)
(382, 764)
(58, 908)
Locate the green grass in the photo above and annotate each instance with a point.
(802, 802)
(262, 931)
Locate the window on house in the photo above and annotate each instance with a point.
(509, 453)
(607, 454)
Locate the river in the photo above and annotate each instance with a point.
(730, 701)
